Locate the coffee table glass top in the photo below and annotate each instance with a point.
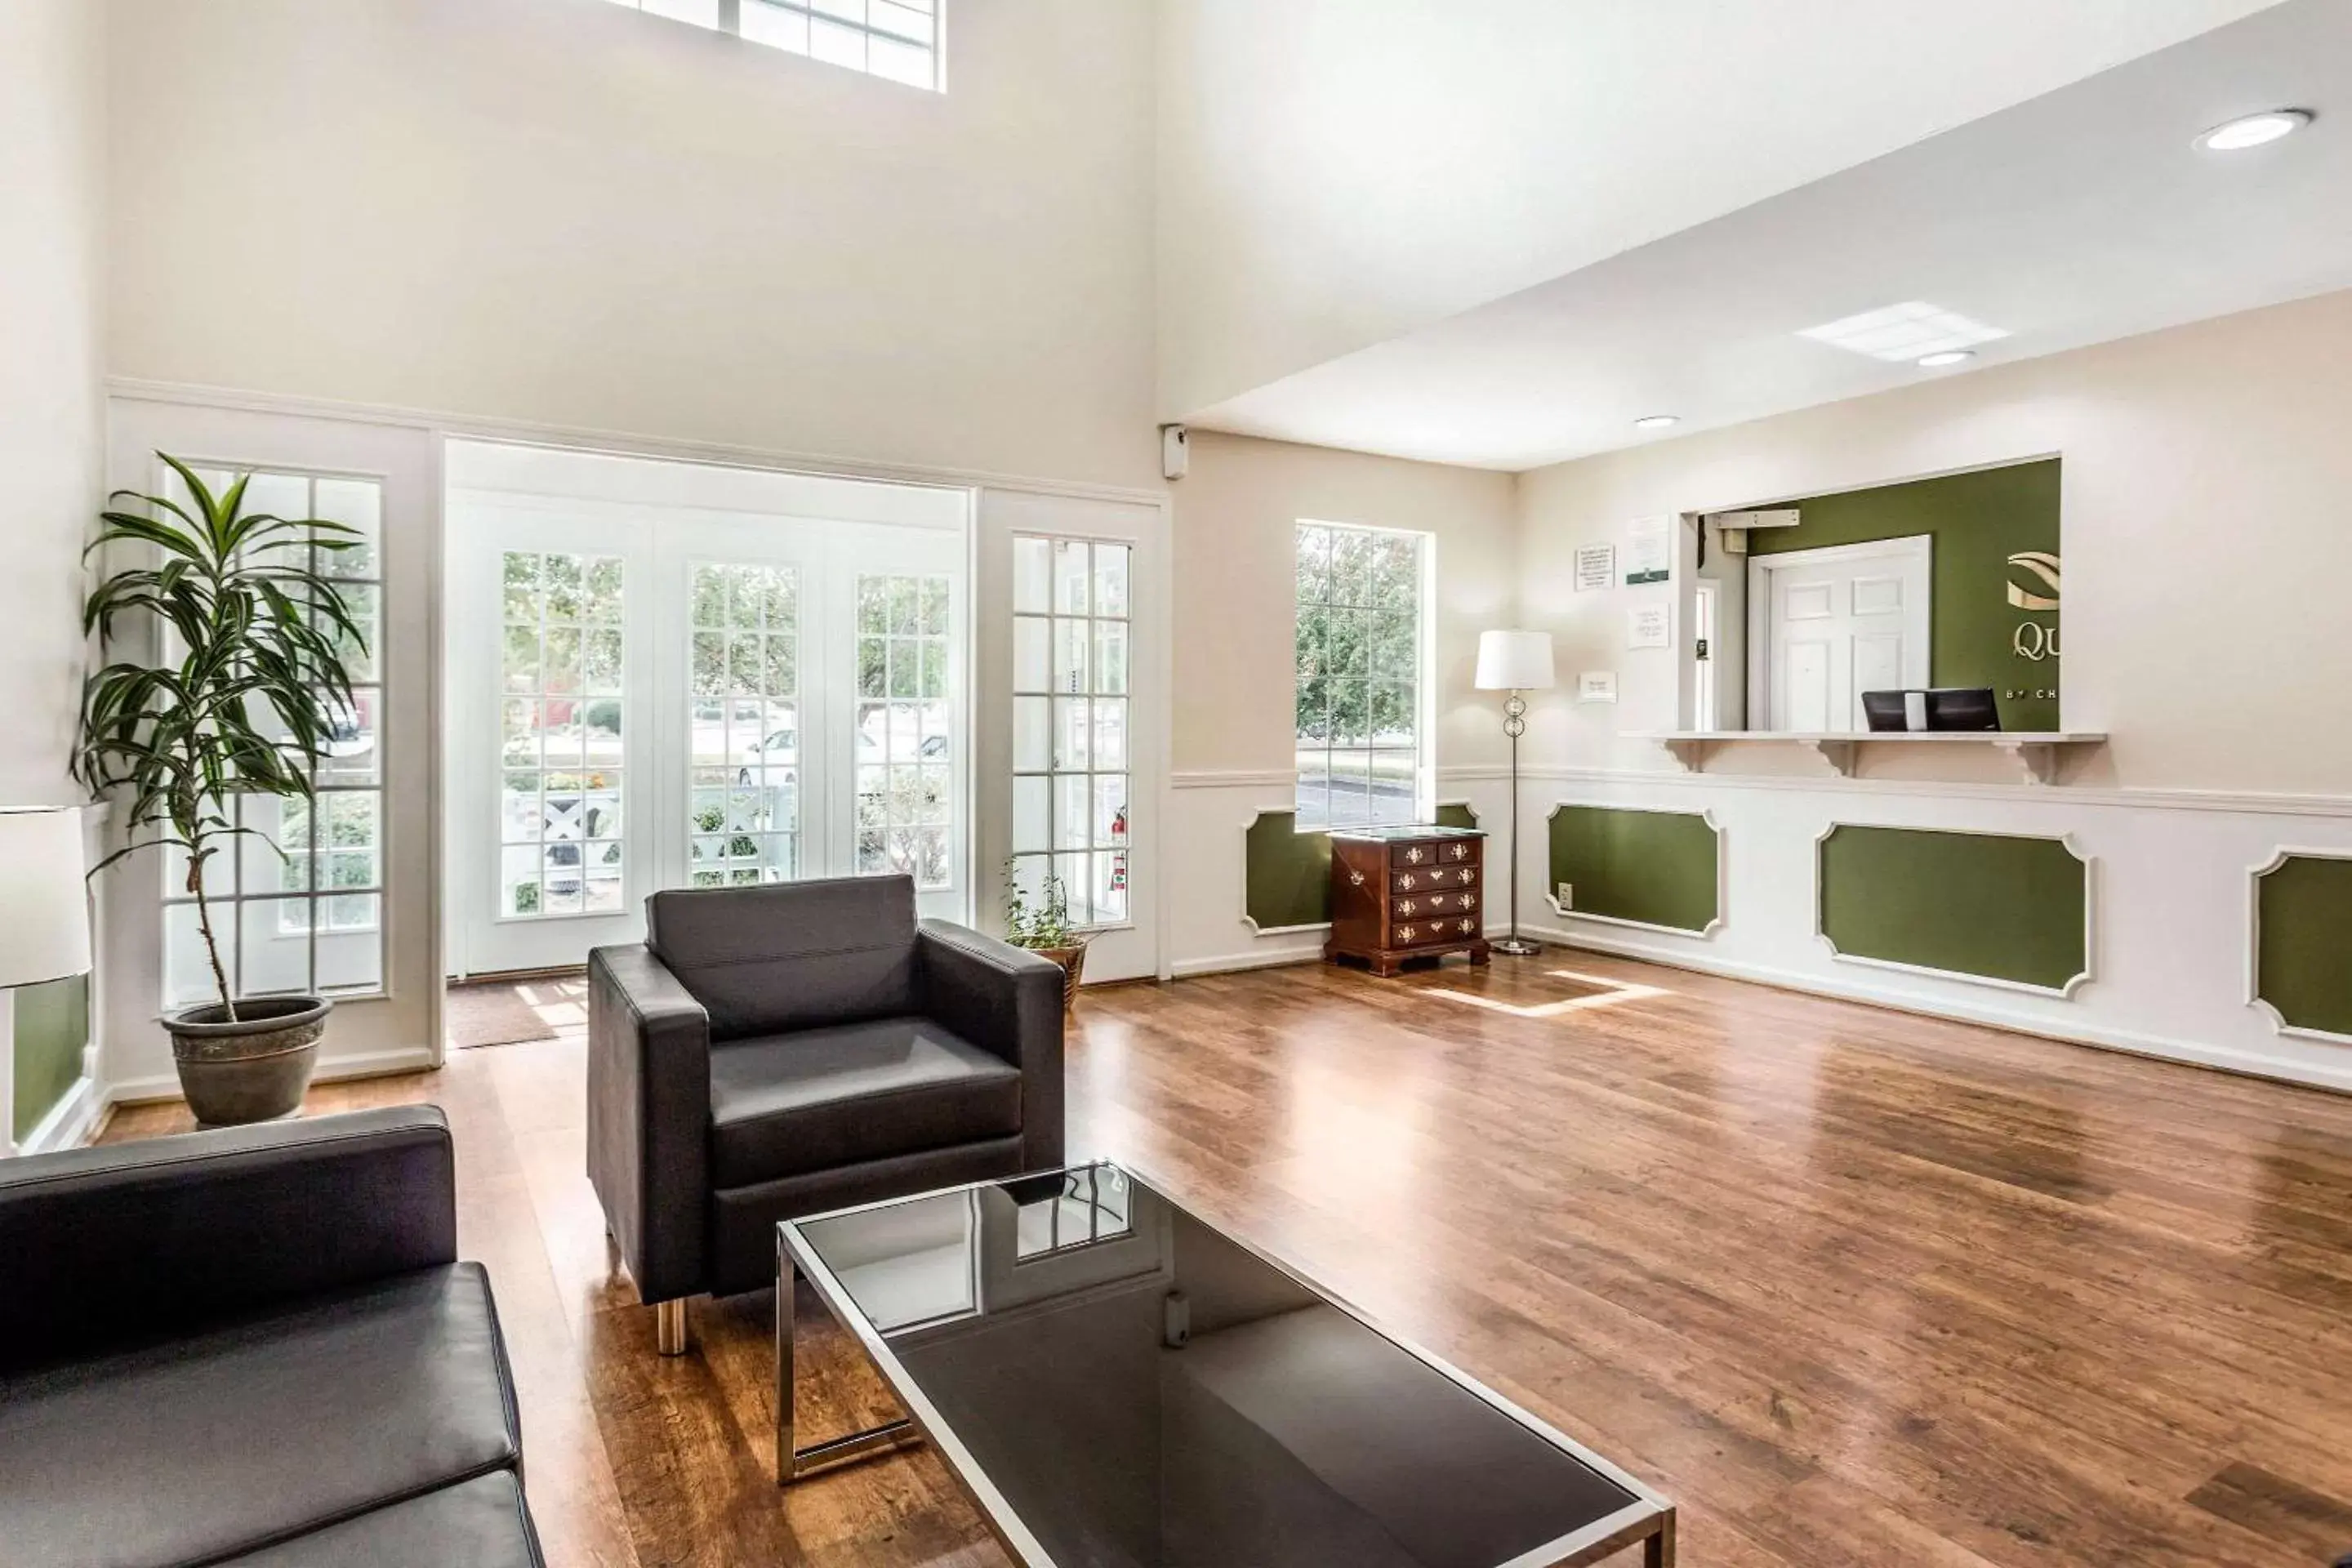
(1116, 1383)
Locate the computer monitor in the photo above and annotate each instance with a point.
(1962, 708)
(1939, 708)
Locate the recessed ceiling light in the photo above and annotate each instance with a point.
(1656, 421)
(2254, 129)
(1904, 332)
(1948, 356)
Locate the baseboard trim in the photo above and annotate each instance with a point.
(2188, 1053)
(1233, 963)
(71, 1122)
(160, 1087)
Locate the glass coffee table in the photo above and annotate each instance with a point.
(1116, 1384)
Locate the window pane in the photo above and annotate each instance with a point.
(836, 45)
(1358, 652)
(1110, 657)
(1110, 579)
(1031, 576)
(1033, 747)
(1070, 572)
(1072, 811)
(775, 25)
(1070, 657)
(701, 13)
(1032, 821)
(1030, 635)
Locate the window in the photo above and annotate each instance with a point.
(895, 39)
(1070, 760)
(560, 739)
(311, 922)
(745, 706)
(1362, 675)
(906, 754)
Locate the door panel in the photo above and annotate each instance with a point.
(1839, 622)
(696, 698)
(1072, 766)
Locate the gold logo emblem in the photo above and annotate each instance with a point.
(2038, 570)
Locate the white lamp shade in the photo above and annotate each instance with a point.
(1515, 661)
(44, 910)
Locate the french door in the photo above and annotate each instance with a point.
(648, 696)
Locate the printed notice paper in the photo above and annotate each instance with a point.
(1650, 626)
(1596, 567)
(1649, 550)
(1597, 686)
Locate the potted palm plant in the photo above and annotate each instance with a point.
(241, 695)
(1043, 928)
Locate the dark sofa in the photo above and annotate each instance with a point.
(252, 1346)
(779, 1051)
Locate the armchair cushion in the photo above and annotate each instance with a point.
(796, 956)
(787, 1104)
(260, 1429)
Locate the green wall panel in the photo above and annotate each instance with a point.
(52, 1026)
(2303, 963)
(1655, 866)
(1977, 520)
(1973, 903)
(1286, 874)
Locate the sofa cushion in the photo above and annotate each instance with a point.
(481, 1523)
(258, 1430)
(825, 1098)
(765, 960)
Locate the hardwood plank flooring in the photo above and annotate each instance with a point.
(1852, 1287)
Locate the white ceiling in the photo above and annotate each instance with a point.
(2077, 217)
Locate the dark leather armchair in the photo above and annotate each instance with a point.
(778, 1051)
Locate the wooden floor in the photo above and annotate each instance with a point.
(1851, 1286)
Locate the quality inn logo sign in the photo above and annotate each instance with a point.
(2030, 572)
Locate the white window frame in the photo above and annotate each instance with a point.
(856, 18)
(1424, 704)
(229, 906)
(1091, 619)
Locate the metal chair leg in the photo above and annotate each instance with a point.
(673, 1330)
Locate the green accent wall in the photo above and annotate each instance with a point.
(52, 1026)
(2303, 963)
(1977, 520)
(1656, 867)
(1972, 903)
(1286, 874)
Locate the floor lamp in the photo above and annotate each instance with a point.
(1515, 662)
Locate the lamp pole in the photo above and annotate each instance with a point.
(1514, 724)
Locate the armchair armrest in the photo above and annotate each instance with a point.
(649, 1117)
(129, 1240)
(1008, 1003)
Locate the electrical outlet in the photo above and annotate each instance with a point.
(1568, 895)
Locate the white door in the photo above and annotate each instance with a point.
(350, 908)
(1072, 658)
(659, 691)
(1836, 623)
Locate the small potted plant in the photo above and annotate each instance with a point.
(1043, 928)
(241, 696)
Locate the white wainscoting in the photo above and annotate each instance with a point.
(1208, 813)
(2171, 926)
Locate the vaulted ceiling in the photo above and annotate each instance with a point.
(1496, 234)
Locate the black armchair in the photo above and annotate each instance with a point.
(293, 1287)
(778, 1051)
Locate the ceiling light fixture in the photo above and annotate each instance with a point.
(1902, 334)
(2254, 129)
(1656, 421)
(1948, 356)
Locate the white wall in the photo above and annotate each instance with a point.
(52, 288)
(1336, 172)
(1235, 722)
(2206, 524)
(565, 212)
(2207, 536)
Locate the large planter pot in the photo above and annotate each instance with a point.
(251, 1070)
(1072, 960)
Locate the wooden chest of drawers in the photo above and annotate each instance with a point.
(1402, 893)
